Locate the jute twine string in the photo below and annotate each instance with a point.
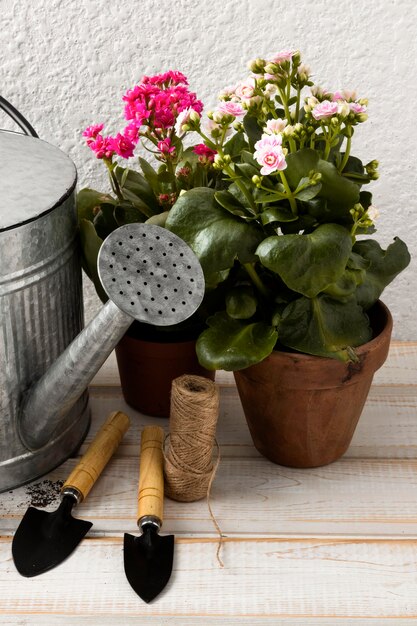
(189, 469)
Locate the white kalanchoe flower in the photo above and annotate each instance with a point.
(343, 108)
(275, 127)
(304, 72)
(372, 213)
(270, 90)
(182, 120)
(227, 93)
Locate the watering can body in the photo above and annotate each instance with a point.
(41, 308)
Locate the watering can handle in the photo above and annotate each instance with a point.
(17, 117)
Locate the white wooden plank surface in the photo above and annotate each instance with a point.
(325, 578)
(254, 497)
(386, 429)
(326, 547)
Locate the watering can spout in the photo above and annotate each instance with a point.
(150, 275)
(49, 400)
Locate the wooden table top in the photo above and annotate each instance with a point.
(333, 546)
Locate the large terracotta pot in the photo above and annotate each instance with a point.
(302, 410)
(149, 361)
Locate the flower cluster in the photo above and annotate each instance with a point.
(152, 109)
(321, 121)
(280, 228)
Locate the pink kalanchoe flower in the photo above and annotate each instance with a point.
(158, 100)
(205, 153)
(91, 132)
(246, 89)
(232, 108)
(166, 147)
(325, 109)
(357, 108)
(269, 154)
(132, 132)
(345, 94)
(103, 147)
(171, 77)
(267, 141)
(123, 146)
(285, 55)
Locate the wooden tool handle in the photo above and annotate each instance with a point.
(151, 473)
(98, 454)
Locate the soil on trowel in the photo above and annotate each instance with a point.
(44, 493)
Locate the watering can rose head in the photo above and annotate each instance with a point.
(278, 237)
(160, 112)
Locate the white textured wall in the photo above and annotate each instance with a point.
(66, 63)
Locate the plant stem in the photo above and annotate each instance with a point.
(285, 105)
(113, 180)
(230, 172)
(297, 105)
(250, 268)
(292, 200)
(346, 155)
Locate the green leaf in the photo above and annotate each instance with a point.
(246, 170)
(90, 245)
(324, 326)
(235, 145)
(357, 262)
(139, 205)
(277, 214)
(229, 202)
(135, 183)
(247, 157)
(158, 220)
(88, 200)
(165, 177)
(299, 165)
(252, 129)
(127, 214)
(365, 198)
(384, 266)
(271, 196)
(150, 174)
(308, 192)
(233, 345)
(241, 302)
(308, 263)
(104, 221)
(339, 192)
(346, 285)
(353, 165)
(217, 237)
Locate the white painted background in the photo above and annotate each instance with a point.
(66, 65)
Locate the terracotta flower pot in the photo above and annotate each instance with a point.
(147, 368)
(302, 410)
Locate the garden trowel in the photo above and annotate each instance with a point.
(44, 539)
(148, 558)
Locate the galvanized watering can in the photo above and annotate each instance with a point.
(46, 359)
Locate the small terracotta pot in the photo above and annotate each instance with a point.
(147, 369)
(302, 410)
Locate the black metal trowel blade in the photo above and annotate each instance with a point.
(43, 540)
(148, 562)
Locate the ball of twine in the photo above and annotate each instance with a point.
(189, 468)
